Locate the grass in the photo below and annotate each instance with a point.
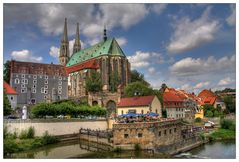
(223, 134)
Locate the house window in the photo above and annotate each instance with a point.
(34, 86)
(170, 131)
(140, 135)
(60, 78)
(46, 91)
(12, 98)
(46, 81)
(23, 90)
(59, 87)
(59, 97)
(23, 75)
(126, 135)
(34, 81)
(156, 111)
(46, 77)
(45, 97)
(159, 134)
(165, 132)
(34, 90)
(46, 86)
(34, 77)
(142, 111)
(42, 90)
(33, 100)
(60, 82)
(17, 81)
(59, 91)
(25, 81)
(23, 86)
(175, 130)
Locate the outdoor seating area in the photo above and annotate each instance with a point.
(133, 118)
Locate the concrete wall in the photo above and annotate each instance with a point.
(55, 128)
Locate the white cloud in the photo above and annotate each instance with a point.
(186, 87)
(202, 85)
(152, 70)
(226, 81)
(121, 40)
(25, 55)
(190, 34)
(144, 59)
(231, 20)
(190, 66)
(158, 8)
(54, 51)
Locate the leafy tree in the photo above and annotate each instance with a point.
(6, 71)
(138, 77)
(137, 88)
(114, 81)
(93, 83)
(6, 106)
(209, 113)
(215, 113)
(198, 120)
(230, 103)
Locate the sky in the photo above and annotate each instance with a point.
(186, 46)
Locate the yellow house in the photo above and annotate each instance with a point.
(139, 105)
(199, 113)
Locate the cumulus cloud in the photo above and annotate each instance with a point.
(226, 81)
(25, 55)
(121, 40)
(202, 85)
(231, 20)
(144, 59)
(158, 8)
(54, 51)
(190, 66)
(152, 70)
(189, 34)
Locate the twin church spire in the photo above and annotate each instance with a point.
(64, 49)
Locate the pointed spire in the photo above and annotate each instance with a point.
(77, 45)
(65, 36)
(105, 36)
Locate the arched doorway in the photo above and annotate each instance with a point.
(94, 103)
(111, 107)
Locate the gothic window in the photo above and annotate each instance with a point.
(25, 81)
(46, 81)
(23, 75)
(34, 81)
(34, 86)
(34, 90)
(34, 76)
(46, 86)
(23, 86)
(17, 81)
(46, 91)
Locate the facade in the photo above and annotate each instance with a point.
(140, 105)
(11, 95)
(179, 104)
(106, 58)
(210, 98)
(36, 82)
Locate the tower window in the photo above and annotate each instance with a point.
(17, 81)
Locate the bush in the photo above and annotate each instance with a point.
(117, 149)
(198, 120)
(23, 134)
(47, 139)
(227, 124)
(209, 114)
(31, 132)
(137, 147)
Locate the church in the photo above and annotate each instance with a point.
(105, 58)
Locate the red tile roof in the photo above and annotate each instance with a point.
(37, 68)
(91, 64)
(207, 97)
(136, 101)
(8, 89)
(171, 97)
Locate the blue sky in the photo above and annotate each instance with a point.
(186, 46)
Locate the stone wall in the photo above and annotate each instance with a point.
(149, 135)
(55, 128)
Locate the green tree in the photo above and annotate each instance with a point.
(93, 83)
(137, 88)
(209, 113)
(114, 81)
(230, 103)
(7, 106)
(6, 71)
(138, 77)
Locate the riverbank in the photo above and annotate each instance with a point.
(222, 134)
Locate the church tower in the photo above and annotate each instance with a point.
(77, 45)
(64, 49)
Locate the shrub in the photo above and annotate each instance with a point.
(198, 120)
(117, 149)
(47, 139)
(137, 147)
(227, 124)
(209, 114)
(31, 132)
(23, 134)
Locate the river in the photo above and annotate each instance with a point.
(77, 149)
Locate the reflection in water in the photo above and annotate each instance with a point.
(84, 149)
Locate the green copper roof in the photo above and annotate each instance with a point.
(108, 47)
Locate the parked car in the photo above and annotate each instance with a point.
(60, 117)
(208, 125)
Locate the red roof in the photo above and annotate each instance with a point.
(209, 100)
(172, 97)
(91, 64)
(206, 93)
(8, 89)
(136, 101)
